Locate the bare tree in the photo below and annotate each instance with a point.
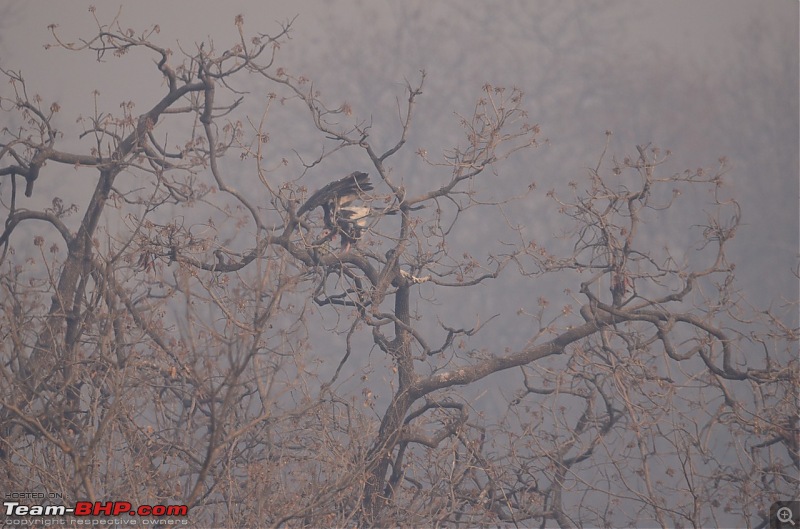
(160, 341)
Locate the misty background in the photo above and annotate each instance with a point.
(702, 79)
(705, 80)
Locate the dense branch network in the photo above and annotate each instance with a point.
(158, 324)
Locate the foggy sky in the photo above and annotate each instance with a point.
(704, 79)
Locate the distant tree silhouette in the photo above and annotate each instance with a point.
(157, 337)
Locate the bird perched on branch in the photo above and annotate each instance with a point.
(340, 213)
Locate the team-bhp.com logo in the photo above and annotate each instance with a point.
(150, 514)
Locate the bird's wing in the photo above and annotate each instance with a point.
(344, 191)
(355, 214)
(354, 188)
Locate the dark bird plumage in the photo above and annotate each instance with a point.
(337, 202)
